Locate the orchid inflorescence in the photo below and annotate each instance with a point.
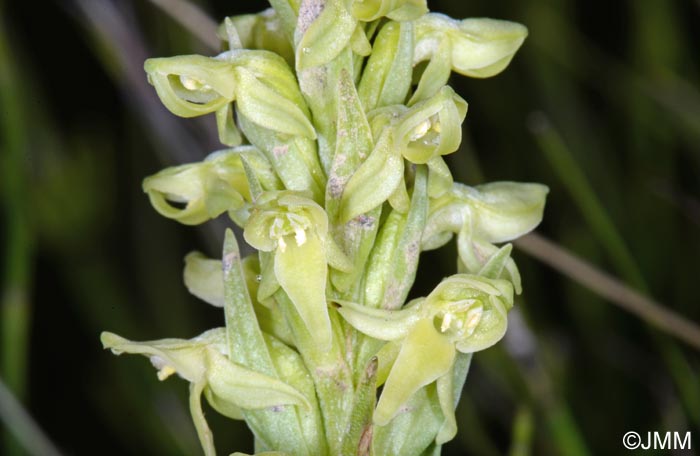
(336, 117)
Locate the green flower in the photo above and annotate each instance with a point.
(261, 83)
(420, 134)
(192, 85)
(481, 216)
(295, 229)
(479, 48)
(206, 189)
(464, 313)
(203, 361)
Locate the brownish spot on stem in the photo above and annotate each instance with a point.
(365, 441)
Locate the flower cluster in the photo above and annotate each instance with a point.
(337, 117)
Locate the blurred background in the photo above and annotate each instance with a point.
(602, 104)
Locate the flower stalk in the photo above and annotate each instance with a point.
(337, 116)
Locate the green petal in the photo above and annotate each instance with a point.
(302, 271)
(203, 278)
(425, 356)
(379, 323)
(436, 73)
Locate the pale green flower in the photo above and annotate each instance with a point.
(203, 361)
(192, 85)
(464, 313)
(479, 48)
(295, 229)
(206, 189)
(481, 216)
(420, 134)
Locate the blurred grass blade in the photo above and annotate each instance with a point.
(573, 178)
(15, 310)
(523, 430)
(21, 424)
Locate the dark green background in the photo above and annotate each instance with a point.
(619, 86)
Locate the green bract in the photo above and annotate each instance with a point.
(338, 117)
